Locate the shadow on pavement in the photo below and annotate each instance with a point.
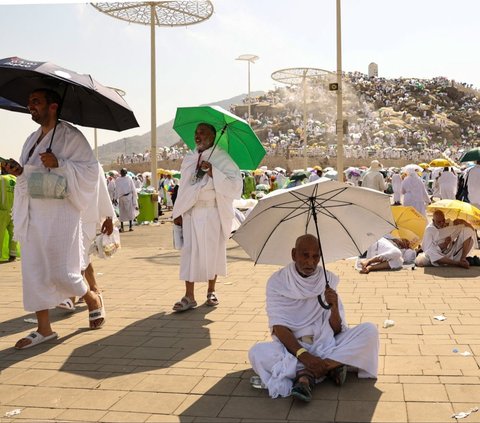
(232, 397)
(453, 272)
(156, 342)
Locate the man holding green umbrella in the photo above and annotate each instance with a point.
(211, 180)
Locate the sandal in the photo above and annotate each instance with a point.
(338, 375)
(303, 390)
(97, 314)
(184, 304)
(212, 299)
(36, 338)
(67, 304)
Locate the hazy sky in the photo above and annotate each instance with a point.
(195, 64)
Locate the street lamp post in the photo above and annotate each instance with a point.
(250, 58)
(167, 13)
(339, 96)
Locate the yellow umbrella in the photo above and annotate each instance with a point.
(407, 217)
(454, 209)
(257, 172)
(414, 239)
(424, 165)
(440, 163)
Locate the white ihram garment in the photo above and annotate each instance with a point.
(127, 198)
(49, 230)
(397, 187)
(447, 183)
(414, 193)
(387, 250)
(100, 208)
(433, 237)
(292, 302)
(207, 212)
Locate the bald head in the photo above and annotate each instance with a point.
(438, 219)
(306, 255)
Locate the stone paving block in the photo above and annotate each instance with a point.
(216, 386)
(81, 415)
(46, 397)
(463, 393)
(256, 408)
(371, 411)
(425, 392)
(38, 414)
(124, 417)
(149, 402)
(437, 412)
(168, 383)
(316, 410)
(371, 392)
(410, 365)
(202, 405)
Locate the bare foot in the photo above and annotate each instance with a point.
(464, 263)
(365, 270)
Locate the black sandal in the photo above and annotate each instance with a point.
(338, 375)
(303, 390)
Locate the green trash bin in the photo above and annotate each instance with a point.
(146, 208)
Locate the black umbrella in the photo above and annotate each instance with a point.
(10, 105)
(85, 102)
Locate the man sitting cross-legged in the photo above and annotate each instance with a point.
(310, 342)
(446, 243)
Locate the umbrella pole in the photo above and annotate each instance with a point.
(200, 172)
(49, 149)
(314, 214)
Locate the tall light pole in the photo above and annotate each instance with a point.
(250, 58)
(339, 96)
(95, 139)
(157, 13)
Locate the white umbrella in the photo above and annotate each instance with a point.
(350, 219)
(345, 219)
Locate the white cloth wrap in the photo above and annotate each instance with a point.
(292, 302)
(387, 250)
(92, 218)
(127, 198)
(433, 237)
(414, 193)
(207, 212)
(49, 230)
(397, 187)
(448, 183)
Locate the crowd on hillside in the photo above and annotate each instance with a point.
(397, 118)
(403, 118)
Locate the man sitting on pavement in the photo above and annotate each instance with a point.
(310, 343)
(446, 243)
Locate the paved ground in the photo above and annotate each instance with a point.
(149, 365)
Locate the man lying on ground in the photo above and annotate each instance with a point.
(387, 254)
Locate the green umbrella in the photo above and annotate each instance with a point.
(234, 135)
(471, 156)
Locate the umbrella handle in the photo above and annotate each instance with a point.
(320, 300)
